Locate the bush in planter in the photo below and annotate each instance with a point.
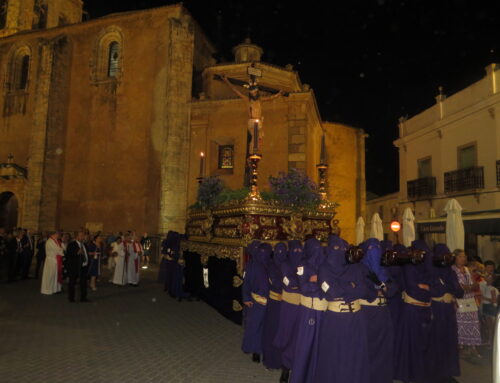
(208, 192)
(295, 189)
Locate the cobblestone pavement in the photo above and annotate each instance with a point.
(128, 334)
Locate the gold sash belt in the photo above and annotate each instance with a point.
(314, 303)
(259, 299)
(379, 301)
(344, 307)
(446, 298)
(413, 301)
(293, 298)
(274, 295)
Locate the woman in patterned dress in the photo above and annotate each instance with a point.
(469, 334)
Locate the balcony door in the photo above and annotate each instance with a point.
(467, 157)
(425, 168)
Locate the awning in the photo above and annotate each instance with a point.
(483, 223)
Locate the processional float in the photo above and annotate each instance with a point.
(223, 232)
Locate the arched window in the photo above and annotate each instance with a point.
(114, 59)
(22, 75)
(17, 81)
(107, 62)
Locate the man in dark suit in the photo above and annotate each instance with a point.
(26, 253)
(77, 261)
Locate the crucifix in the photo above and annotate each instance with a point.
(254, 101)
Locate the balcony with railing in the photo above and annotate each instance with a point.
(421, 188)
(466, 179)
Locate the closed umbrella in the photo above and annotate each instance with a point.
(455, 235)
(360, 230)
(408, 227)
(377, 229)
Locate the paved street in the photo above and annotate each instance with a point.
(126, 334)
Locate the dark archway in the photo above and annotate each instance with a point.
(8, 210)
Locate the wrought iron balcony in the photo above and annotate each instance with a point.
(464, 179)
(421, 188)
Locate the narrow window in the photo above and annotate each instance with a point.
(3, 13)
(24, 67)
(425, 168)
(39, 15)
(467, 157)
(114, 59)
(226, 156)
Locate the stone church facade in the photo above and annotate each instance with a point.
(102, 122)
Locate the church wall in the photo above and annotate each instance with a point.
(225, 122)
(113, 145)
(344, 176)
(112, 154)
(15, 129)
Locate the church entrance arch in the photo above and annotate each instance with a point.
(9, 206)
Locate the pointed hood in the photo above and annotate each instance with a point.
(373, 258)
(263, 253)
(386, 245)
(314, 253)
(280, 253)
(335, 255)
(295, 252)
(251, 249)
(427, 264)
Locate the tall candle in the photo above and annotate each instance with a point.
(322, 157)
(202, 163)
(256, 136)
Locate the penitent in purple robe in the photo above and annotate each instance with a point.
(166, 247)
(309, 320)
(272, 354)
(444, 354)
(257, 285)
(343, 348)
(286, 335)
(380, 328)
(413, 331)
(396, 273)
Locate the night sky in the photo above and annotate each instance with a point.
(369, 62)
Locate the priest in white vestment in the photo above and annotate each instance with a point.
(52, 277)
(118, 251)
(134, 250)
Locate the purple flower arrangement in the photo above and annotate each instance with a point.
(295, 189)
(209, 190)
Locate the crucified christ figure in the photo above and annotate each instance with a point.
(255, 117)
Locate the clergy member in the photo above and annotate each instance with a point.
(52, 275)
(118, 252)
(133, 249)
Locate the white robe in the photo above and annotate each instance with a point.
(132, 268)
(120, 275)
(50, 284)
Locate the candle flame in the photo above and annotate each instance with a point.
(202, 154)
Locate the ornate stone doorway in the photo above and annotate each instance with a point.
(9, 206)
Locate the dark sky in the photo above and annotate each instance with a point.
(368, 61)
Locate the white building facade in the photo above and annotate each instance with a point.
(452, 150)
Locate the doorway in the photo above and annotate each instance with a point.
(8, 210)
